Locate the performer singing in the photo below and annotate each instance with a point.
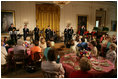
(11, 28)
(47, 33)
(25, 32)
(36, 33)
(66, 33)
(13, 33)
(71, 31)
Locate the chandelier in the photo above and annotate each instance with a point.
(61, 3)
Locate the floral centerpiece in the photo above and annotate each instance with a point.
(26, 44)
(84, 53)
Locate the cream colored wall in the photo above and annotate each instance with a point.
(25, 11)
(70, 12)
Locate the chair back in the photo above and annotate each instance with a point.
(20, 55)
(50, 74)
(37, 56)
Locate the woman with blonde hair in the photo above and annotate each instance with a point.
(85, 66)
(43, 44)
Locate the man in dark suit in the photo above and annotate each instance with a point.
(71, 31)
(82, 30)
(11, 28)
(25, 32)
(36, 33)
(48, 33)
(66, 34)
(12, 32)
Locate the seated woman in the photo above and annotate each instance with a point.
(51, 66)
(11, 46)
(3, 58)
(27, 42)
(73, 46)
(35, 49)
(85, 66)
(83, 44)
(111, 54)
(102, 38)
(105, 45)
(47, 49)
(114, 39)
(42, 44)
(52, 42)
(19, 47)
(92, 46)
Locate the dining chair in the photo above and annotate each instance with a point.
(50, 74)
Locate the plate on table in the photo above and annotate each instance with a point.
(77, 68)
(66, 57)
(69, 62)
(92, 59)
(74, 59)
(104, 64)
(97, 68)
(95, 62)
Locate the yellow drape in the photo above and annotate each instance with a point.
(48, 15)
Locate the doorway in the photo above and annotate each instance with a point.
(82, 20)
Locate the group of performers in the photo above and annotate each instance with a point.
(50, 34)
(68, 33)
(13, 33)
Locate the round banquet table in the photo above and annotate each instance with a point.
(28, 51)
(69, 68)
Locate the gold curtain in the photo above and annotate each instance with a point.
(48, 15)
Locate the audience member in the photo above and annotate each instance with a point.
(52, 42)
(43, 44)
(85, 66)
(27, 42)
(102, 38)
(19, 46)
(3, 59)
(114, 39)
(73, 46)
(92, 46)
(35, 49)
(11, 46)
(47, 49)
(83, 45)
(51, 66)
(108, 42)
(3, 54)
(111, 54)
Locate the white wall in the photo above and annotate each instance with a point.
(25, 11)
